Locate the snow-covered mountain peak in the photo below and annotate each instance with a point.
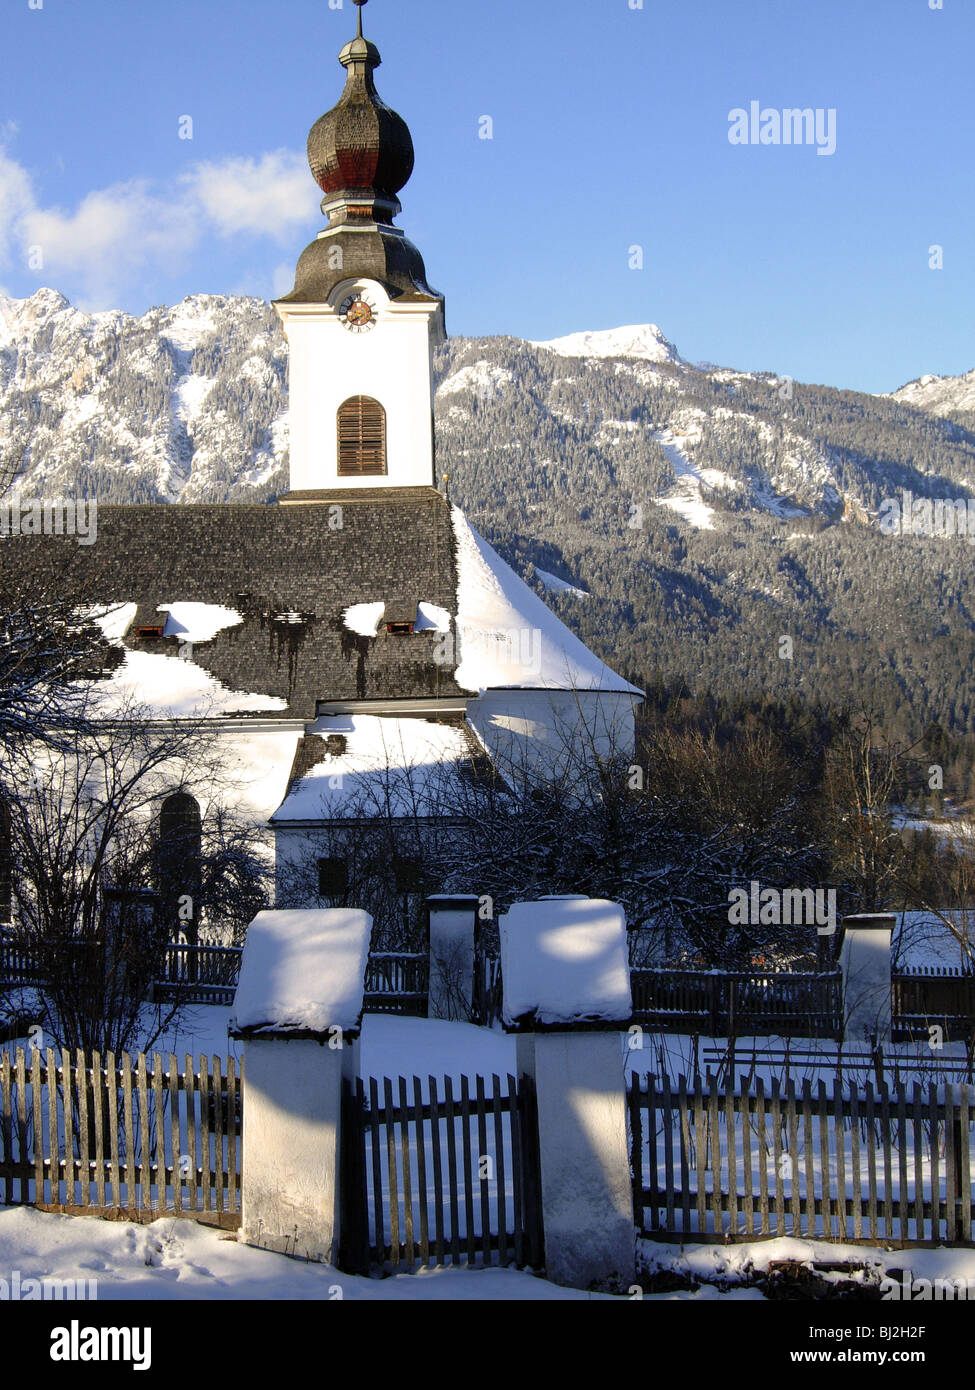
(643, 341)
(940, 395)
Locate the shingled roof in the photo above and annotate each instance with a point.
(290, 572)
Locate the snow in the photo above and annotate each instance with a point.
(192, 321)
(431, 618)
(174, 688)
(197, 622)
(732, 1264)
(565, 960)
(483, 379)
(939, 394)
(169, 685)
(688, 500)
(364, 618)
(115, 622)
(303, 970)
(643, 341)
(174, 1259)
(389, 764)
(190, 396)
(558, 586)
(507, 636)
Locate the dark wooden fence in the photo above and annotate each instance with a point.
(448, 1179)
(127, 1136)
(872, 1163)
(720, 1004)
(397, 982)
(199, 974)
(941, 996)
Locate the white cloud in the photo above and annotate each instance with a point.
(16, 199)
(115, 236)
(111, 236)
(269, 196)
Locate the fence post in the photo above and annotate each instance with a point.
(865, 967)
(451, 986)
(298, 1010)
(567, 996)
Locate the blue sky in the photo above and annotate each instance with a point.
(610, 130)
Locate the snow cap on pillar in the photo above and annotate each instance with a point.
(302, 974)
(565, 964)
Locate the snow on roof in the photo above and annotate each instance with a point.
(565, 960)
(364, 618)
(171, 686)
(303, 971)
(431, 618)
(197, 622)
(506, 634)
(174, 688)
(391, 766)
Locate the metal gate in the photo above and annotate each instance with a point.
(439, 1175)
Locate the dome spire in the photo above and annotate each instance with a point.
(360, 152)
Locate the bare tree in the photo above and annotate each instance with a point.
(84, 835)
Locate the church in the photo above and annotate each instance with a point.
(358, 625)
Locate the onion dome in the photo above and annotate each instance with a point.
(360, 152)
(361, 155)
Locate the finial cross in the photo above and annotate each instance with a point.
(360, 4)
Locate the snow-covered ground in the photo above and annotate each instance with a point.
(178, 1259)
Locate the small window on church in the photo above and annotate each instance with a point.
(362, 438)
(333, 880)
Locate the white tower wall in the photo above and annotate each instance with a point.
(392, 362)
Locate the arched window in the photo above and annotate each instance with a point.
(180, 867)
(362, 438)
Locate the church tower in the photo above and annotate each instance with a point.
(361, 321)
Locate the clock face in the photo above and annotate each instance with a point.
(358, 313)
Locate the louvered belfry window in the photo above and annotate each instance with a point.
(362, 437)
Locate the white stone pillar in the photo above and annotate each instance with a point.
(453, 920)
(298, 1010)
(567, 995)
(865, 940)
(292, 1144)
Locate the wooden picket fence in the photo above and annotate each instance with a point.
(447, 1179)
(870, 1163)
(121, 1136)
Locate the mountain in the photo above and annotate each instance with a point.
(949, 396)
(705, 514)
(186, 404)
